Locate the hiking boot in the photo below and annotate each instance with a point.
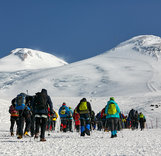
(115, 135)
(36, 136)
(112, 136)
(83, 133)
(19, 137)
(26, 134)
(43, 139)
(87, 132)
(12, 134)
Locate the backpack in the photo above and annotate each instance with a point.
(141, 116)
(40, 101)
(12, 110)
(83, 106)
(112, 109)
(20, 101)
(63, 111)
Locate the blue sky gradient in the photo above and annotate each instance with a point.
(75, 29)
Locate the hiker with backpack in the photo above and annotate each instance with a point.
(40, 108)
(54, 118)
(22, 103)
(132, 118)
(99, 121)
(51, 121)
(70, 119)
(76, 118)
(93, 120)
(103, 119)
(14, 117)
(32, 127)
(64, 114)
(84, 109)
(112, 116)
(142, 120)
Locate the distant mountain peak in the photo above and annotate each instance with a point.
(24, 58)
(145, 44)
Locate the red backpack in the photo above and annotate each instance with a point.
(13, 111)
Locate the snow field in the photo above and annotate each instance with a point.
(128, 142)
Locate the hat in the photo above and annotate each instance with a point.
(112, 98)
(83, 100)
(64, 104)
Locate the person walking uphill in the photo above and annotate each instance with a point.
(112, 110)
(40, 109)
(84, 109)
(64, 113)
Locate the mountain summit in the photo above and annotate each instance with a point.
(149, 45)
(23, 58)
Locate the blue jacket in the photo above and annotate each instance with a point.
(116, 115)
(66, 109)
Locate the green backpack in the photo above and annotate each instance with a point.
(112, 109)
(83, 106)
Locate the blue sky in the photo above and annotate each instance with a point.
(75, 29)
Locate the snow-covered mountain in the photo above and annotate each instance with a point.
(123, 70)
(23, 58)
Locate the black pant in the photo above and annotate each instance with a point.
(14, 119)
(41, 122)
(77, 128)
(70, 124)
(142, 124)
(54, 124)
(24, 115)
(32, 127)
(113, 123)
(84, 119)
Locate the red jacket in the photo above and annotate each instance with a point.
(76, 118)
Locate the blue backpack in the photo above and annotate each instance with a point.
(20, 101)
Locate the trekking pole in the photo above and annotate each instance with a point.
(156, 123)
(151, 124)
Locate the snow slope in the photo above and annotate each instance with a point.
(120, 71)
(130, 72)
(23, 58)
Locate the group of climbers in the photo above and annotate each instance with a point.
(37, 111)
(31, 111)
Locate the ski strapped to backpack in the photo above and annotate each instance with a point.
(112, 109)
(20, 101)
